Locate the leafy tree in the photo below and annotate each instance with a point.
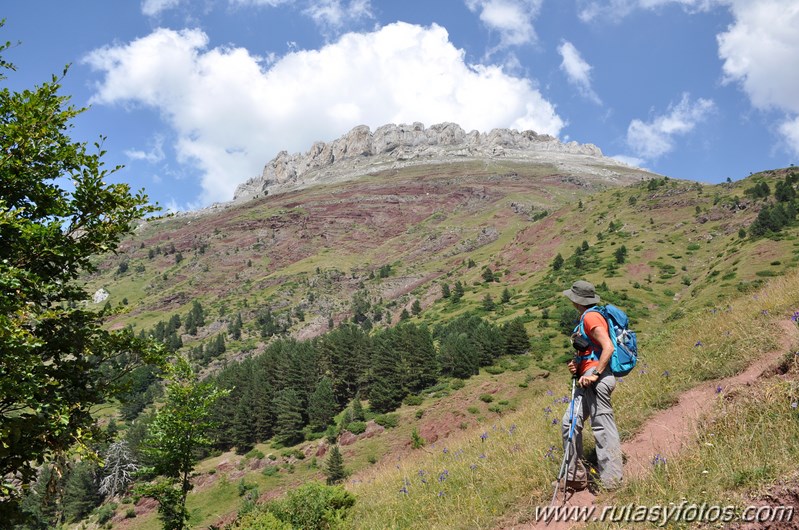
(334, 470)
(56, 359)
(180, 428)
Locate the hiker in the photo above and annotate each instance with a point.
(595, 384)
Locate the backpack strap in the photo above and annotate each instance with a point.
(595, 350)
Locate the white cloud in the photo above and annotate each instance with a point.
(630, 160)
(153, 8)
(231, 113)
(333, 15)
(656, 138)
(270, 3)
(153, 156)
(760, 51)
(513, 19)
(618, 9)
(577, 71)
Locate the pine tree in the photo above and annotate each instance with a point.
(334, 470)
(357, 409)
(557, 263)
(416, 307)
(517, 341)
(322, 405)
(459, 356)
(386, 391)
(488, 303)
(458, 292)
(288, 412)
(506, 296)
(445, 290)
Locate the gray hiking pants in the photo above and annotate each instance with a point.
(594, 402)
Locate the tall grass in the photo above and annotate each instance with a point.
(469, 482)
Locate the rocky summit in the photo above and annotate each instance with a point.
(361, 152)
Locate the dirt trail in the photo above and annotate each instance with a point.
(668, 431)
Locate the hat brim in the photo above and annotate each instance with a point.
(582, 300)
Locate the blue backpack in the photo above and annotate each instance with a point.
(625, 343)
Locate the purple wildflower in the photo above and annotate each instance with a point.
(512, 429)
(550, 392)
(421, 472)
(441, 493)
(794, 405)
(795, 317)
(698, 343)
(445, 450)
(443, 476)
(482, 456)
(550, 452)
(666, 373)
(658, 460)
(554, 421)
(473, 467)
(484, 436)
(719, 389)
(547, 411)
(404, 490)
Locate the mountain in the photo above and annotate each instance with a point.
(346, 233)
(396, 147)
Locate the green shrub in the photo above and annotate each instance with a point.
(258, 520)
(494, 370)
(486, 398)
(255, 453)
(389, 421)
(270, 471)
(356, 427)
(457, 384)
(419, 414)
(413, 400)
(473, 410)
(106, 512)
(313, 505)
(130, 513)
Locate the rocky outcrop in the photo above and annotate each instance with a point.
(361, 151)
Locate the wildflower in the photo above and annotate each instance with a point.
(443, 476)
(445, 450)
(440, 493)
(404, 490)
(698, 343)
(554, 421)
(421, 472)
(484, 436)
(549, 453)
(719, 389)
(482, 456)
(642, 371)
(795, 317)
(619, 379)
(765, 311)
(658, 460)
(666, 373)
(473, 467)
(794, 405)
(512, 429)
(550, 392)
(407, 482)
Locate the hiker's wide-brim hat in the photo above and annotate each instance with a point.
(582, 293)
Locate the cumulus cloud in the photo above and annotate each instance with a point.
(232, 112)
(656, 138)
(512, 19)
(577, 71)
(759, 51)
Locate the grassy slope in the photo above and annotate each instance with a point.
(669, 272)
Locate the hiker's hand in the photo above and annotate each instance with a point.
(588, 380)
(572, 367)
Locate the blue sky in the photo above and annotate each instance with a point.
(196, 96)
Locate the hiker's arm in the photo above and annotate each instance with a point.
(603, 339)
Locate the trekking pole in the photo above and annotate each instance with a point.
(567, 446)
